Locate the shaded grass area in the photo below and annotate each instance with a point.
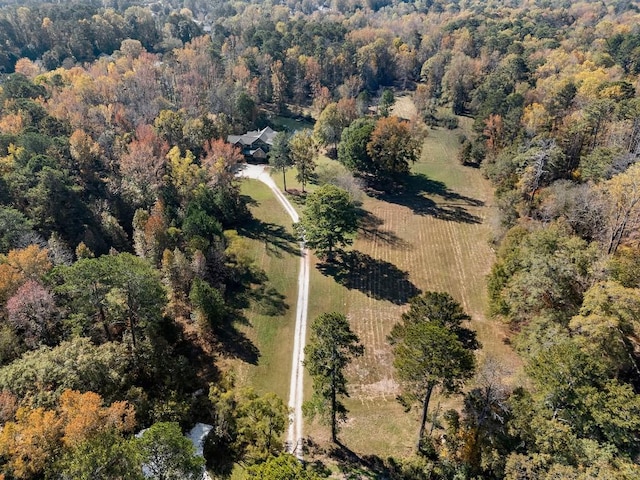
(426, 196)
(290, 124)
(270, 312)
(374, 277)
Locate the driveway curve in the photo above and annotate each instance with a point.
(294, 434)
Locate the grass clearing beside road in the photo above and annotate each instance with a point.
(272, 243)
(433, 236)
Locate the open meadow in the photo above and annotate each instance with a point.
(434, 235)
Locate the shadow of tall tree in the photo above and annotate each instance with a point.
(352, 465)
(268, 301)
(234, 343)
(451, 206)
(376, 278)
(276, 238)
(370, 229)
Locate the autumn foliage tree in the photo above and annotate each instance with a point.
(20, 265)
(33, 441)
(32, 312)
(392, 148)
(143, 165)
(220, 159)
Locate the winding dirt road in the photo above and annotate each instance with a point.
(294, 435)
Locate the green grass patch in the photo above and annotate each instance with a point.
(290, 124)
(432, 236)
(272, 312)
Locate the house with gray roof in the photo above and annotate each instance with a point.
(255, 144)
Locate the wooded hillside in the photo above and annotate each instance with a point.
(124, 271)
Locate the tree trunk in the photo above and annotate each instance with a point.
(131, 323)
(425, 407)
(334, 428)
(284, 179)
(105, 325)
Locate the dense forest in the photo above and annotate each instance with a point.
(123, 268)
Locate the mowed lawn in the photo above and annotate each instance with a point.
(271, 314)
(433, 236)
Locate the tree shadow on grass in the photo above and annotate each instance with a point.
(276, 238)
(269, 301)
(353, 465)
(452, 206)
(235, 344)
(369, 229)
(376, 278)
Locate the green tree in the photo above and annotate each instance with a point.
(303, 154)
(283, 467)
(114, 290)
(441, 308)
(431, 349)
(575, 411)
(608, 322)
(329, 220)
(387, 99)
(245, 109)
(40, 377)
(352, 149)
(331, 348)
(331, 123)
(208, 303)
(328, 127)
(247, 427)
(261, 420)
(541, 273)
(14, 226)
(105, 456)
(392, 147)
(168, 455)
(280, 154)
(170, 125)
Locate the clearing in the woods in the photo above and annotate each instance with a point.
(432, 236)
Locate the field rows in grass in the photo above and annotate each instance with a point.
(434, 236)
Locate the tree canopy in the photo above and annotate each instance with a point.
(331, 347)
(329, 220)
(392, 148)
(432, 349)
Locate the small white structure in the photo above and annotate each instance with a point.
(197, 435)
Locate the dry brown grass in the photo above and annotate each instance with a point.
(434, 236)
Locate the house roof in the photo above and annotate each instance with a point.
(265, 135)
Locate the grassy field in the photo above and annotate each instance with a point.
(433, 236)
(272, 314)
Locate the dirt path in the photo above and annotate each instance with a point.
(294, 434)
